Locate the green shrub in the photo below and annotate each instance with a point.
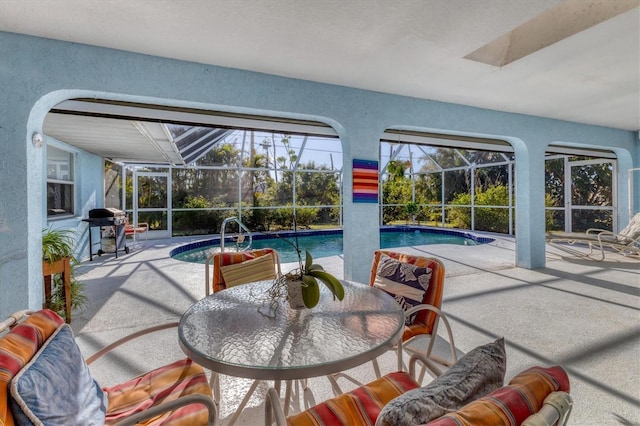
(494, 219)
(198, 222)
(305, 216)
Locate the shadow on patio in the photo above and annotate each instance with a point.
(581, 314)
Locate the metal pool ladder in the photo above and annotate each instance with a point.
(240, 237)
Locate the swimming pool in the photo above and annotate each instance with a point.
(329, 243)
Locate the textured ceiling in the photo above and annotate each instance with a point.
(413, 47)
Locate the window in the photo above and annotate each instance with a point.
(60, 183)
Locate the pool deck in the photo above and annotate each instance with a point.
(575, 312)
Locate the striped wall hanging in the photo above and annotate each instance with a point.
(365, 181)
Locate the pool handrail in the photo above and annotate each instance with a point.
(240, 227)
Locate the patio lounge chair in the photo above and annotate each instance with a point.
(44, 379)
(627, 242)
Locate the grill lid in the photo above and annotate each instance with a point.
(105, 213)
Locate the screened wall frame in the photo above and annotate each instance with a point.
(425, 153)
(468, 155)
(240, 178)
(586, 199)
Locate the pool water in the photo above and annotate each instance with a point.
(328, 243)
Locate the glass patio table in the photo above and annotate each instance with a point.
(227, 334)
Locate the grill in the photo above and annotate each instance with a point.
(112, 230)
(106, 216)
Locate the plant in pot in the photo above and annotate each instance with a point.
(57, 258)
(300, 286)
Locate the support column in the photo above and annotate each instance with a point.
(530, 205)
(361, 228)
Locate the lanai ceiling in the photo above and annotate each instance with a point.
(575, 60)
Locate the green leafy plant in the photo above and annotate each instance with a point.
(492, 219)
(308, 274)
(57, 244)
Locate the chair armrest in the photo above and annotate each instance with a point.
(172, 405)
(415, 357)
(440, 316)
(273, 409)
(555, 410)
(613, 238)
(137, 228)
(13, 319)
(128, 338)
(596, 231)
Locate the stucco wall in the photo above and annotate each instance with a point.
(36, 74)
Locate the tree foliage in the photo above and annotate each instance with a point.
(491, 219)
(260, 187)
(265, 187)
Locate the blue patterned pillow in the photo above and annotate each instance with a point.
(56, 388)
(407, 283)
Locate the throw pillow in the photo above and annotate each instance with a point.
(18, 347)
(474, 375)
(258, 269)
(513, 404)
(407, 283)
(56, 388)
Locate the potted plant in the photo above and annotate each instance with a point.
(301, 285)
(58, 260)
(303, 289)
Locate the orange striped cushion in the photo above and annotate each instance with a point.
(260, 268)
(231, 258)
(163, 384)
(358, 407)
(18, 347)
(510, 405)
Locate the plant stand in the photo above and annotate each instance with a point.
(63, 267)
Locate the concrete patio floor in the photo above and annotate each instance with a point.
(575, 312)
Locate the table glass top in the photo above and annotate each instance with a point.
(226, 333)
